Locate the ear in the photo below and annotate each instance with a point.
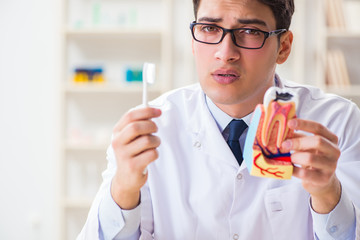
(286, 40)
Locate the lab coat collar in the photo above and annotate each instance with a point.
(206, 134)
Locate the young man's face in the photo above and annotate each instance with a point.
(235, 78)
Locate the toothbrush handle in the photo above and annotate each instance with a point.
(145, 104)
(144, 96)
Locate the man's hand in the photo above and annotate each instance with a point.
(315, 158)
(135, 148)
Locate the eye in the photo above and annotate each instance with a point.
(209, 28)
(252, 32)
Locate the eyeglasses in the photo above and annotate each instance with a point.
(242, 37)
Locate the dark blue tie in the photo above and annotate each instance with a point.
(236, 128)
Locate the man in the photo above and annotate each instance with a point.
(194, 187)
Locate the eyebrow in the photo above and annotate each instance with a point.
(209, 19)
(252, 21)
(242, 21)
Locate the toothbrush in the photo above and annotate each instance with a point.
(148, 77)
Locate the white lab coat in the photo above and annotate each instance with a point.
(196, 189)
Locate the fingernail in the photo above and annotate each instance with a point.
(292, 123)
(157, 111)
(287, 144)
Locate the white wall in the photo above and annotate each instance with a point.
(29, 118)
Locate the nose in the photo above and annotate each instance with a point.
(227, 51)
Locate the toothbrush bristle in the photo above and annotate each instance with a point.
(149, 69)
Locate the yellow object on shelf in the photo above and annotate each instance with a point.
(84, 75)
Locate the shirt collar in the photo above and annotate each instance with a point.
(222, 119)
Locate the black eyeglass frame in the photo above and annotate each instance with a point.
(231, 31)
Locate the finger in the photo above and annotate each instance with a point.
(137, 165)
(305, 173)
(316, 161)
(145, 158)
(120, 139)
(312, 127)
(142, 144)
(312, 176)
(137, 115)
(134, 159)
(286, 145)
(135, 129)
(311, 143)
(297, 135)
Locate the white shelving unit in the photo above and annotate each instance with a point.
(349, 43)
(114, 35)
(346, 39)
(312, 41)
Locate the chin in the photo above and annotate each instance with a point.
(224, 98)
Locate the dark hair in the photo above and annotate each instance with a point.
(282, 10)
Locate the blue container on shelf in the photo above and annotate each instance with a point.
(133, 75)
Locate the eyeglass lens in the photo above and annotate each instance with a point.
(249, 38)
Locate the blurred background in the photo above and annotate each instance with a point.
(70, 68)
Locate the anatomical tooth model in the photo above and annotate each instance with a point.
(268, 129)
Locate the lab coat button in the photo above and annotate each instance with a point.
(276, 206)
(239, 176)
(333, 229)
(197, 144)
(236, 236)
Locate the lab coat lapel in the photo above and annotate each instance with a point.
(206, 134)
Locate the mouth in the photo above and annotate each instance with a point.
(227, 75)
(223, 76)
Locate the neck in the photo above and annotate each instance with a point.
(239, 110)
(245, 106)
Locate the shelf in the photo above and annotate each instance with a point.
(115, 32)
(79, 203)
(349, 91)
(343, 34)
(86, 147)
(106, 88)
